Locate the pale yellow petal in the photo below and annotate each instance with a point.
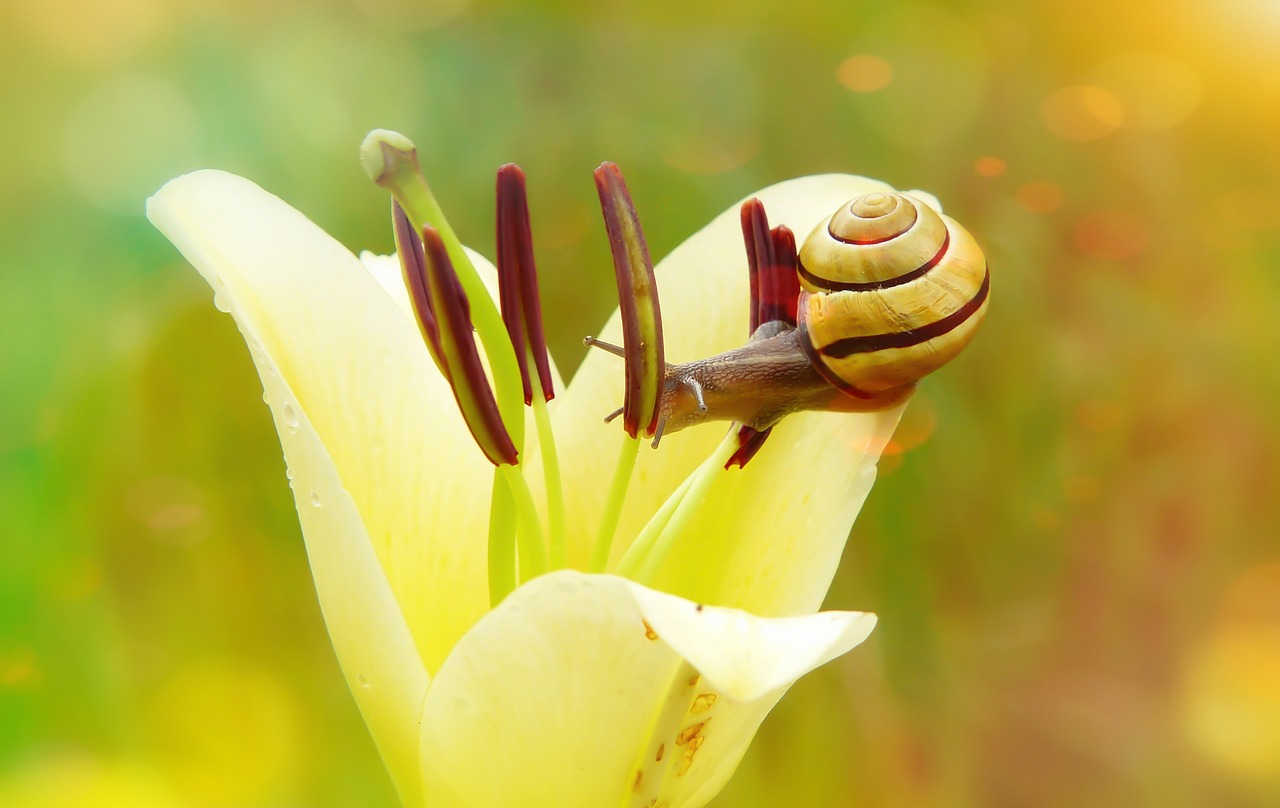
(769, 537)
(360, 372)
(569, 694)
(743, 656)
(370, 636)
(373, 643)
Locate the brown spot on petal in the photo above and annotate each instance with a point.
(635, 786)
(662, 750)
(704, 702)
(649, 633)
(693, 680)
(689, 733)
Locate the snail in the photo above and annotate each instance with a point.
(886, 290)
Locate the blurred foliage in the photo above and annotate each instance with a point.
(1073, 544)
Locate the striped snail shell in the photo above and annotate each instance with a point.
(892, 290)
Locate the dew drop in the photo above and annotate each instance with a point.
(288, 473)
(315, 499)
(360, 677)
(220, 304)
(290, 417)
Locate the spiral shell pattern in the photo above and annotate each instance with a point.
(892, 290)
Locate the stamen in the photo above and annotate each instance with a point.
(608, 419)
(771, 264)
(445, 300)
(779, 282)
(391, 160)
(518, 281)
(413, 267)
(775, 295)
(638, 302)
(750, 441)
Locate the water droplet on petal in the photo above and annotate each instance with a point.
(362, 680)
(315, 499)
(290, 417)
(220, 304)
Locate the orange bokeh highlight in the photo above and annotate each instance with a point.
(864, 73)
(1041, 197)
(1230, 706)
(1082, 112)
(1112, 235)
(1156, 91)
(990, 166)
(918, 424)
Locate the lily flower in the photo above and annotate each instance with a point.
(572, 687)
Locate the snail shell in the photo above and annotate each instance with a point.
(892, 290)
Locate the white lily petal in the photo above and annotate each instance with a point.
(359, 370)
(770, 536)
(568, 694)
(743, 656)
(369, 634)
(370, 637)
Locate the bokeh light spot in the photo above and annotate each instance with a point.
(17, 667)
(67, 780)
(1156, 91)
(1082, 112)
(990, 166)
(939, 75)
(126, 138)
(226, 733)
(1112, 235)
(1231, 702)
(329, 103)
(1040, 197)
(918, 424)
(864, 73)
(94, 32)
(703, 155)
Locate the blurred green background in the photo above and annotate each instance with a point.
(1073, 545)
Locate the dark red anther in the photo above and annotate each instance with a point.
(749, 442)
(413, 269)
(637, 301)
(771, 264)
(518, 281)
(779, 282)
(775, 295)
(435, 288)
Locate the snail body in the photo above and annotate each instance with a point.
(890, 290)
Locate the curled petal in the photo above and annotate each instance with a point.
(589, 690)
